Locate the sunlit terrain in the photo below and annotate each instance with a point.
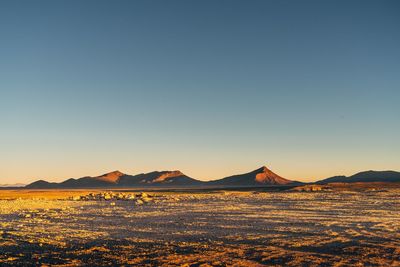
(341, 228)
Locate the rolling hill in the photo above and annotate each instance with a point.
(364, 177)
(119, 179)
(156, 178)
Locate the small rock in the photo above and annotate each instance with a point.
(130, 197)
(146, 199)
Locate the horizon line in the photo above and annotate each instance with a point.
(177, 170)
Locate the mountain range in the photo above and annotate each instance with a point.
(260, 177)
(365, 177)
(257, 178)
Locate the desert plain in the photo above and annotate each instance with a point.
(339, 227)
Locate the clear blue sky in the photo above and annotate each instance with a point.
(309, 88)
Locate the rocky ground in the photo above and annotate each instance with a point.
(345, 228)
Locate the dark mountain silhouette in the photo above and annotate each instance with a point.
(366, 176)
(105, 180)
(259, 177)
(42, 184)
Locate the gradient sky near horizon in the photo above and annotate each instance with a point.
(213, 88)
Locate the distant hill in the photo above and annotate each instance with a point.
(119, 179)
(163, 178)
(12, 185)
(106, 180)
(41, 184)
(365, 177)
(260, 177)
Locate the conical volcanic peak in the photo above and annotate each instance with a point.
(263, 169)
(258, 177)
(266, 176)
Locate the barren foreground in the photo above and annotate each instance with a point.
(218, 229)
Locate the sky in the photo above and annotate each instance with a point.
(310, 89)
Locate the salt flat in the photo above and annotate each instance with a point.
(340, 228)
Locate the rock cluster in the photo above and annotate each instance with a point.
(311, 188)
(139, 198)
